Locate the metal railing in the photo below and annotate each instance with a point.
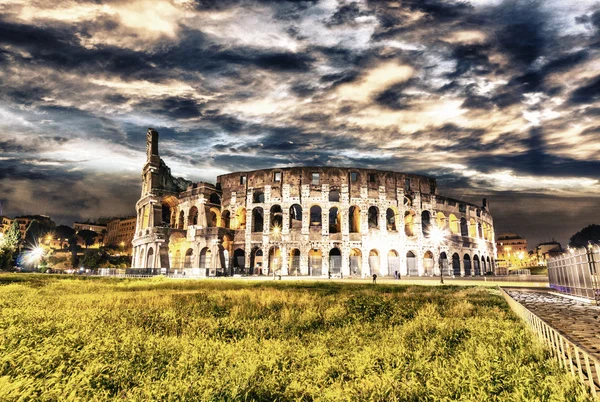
(570, 356)
(575, 273)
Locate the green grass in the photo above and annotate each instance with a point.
(160, 339)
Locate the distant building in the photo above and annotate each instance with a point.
(120, 232)
(512, 251)
(24, 222)
(544, 251)
(94, 227)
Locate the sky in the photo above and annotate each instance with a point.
(496, 99)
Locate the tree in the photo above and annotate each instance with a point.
(590, 233)
(88, 237)
(35, 231)
(64, 233)
(10, 245)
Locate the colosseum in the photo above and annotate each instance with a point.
(317, 221)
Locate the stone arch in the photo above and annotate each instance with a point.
(393, 261)
(316, 218)
(276, 219)
(239, 261)
(374, 261)
(483, 266)
(315, 262)
(411, 264)
(472, 228)
(444, 263)
(425, 222)
(258, 220)
(454, 224)
(296, 217)
(476, 266)
(150, 258)
(226, 219)
(409, 223)
(455, 264)
(335, 261)
(354, 219)
(373, 217)
(467, 264)
(294, 262)
(390, 219)
(214, 199)
(177, 263)
(464, 229)
(335, 220)
(355, 262)
(258, 197)
(189, 258)
(440, 220)
(141, 262)
(334, 196)
(205, 258)
(181, 223)
(256, 261)
(274, 259)
(193, 216)
(213, 219)
(240, 219)
(428, 263)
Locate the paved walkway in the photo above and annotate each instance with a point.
(578, 321)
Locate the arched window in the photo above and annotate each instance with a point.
(411, 264)
(373, 217)
(276, 219)
(390, 219)
(166, 215)
(181, 220)
(258, 219)
(335, 261)
(393, 263)
(454, 224)
(213, 219)
(464, 229)
(239, 261)
(354, 219)
(295, 217)
(335, 220)
(426, 223)
(455, 264)
(315, 262)
(193, 216)
(189, 257)
(428, 263)
(215, 199)
(476, 266)
(334, 196)
(467, 264)
(256, 261)
(225, 219)
(258, 197)
(355, 262)
(294, 263)
(440, 220)
(150, 258)
(315, 216)
(205, 258)
(240, 217)
(472, 228)
(409, 222)
(374, 262)
(444, 264)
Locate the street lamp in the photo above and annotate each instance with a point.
(438, 235)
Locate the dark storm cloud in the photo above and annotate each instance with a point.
(587, 93)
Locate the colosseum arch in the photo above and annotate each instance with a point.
(239, 261)
(472, 228)
(334, 196)
(373, 217)
(454, 224)
(205, 258)
(193, 216)
(464, 229)
(258, 197)
(274, 259)
(476, 266)
(258, 220)
(335, 220)
(150, 258)
(213, 218)
(428, 263)
(440, 220)
(425, 223)
(226, 219)
(174, 219)
(455, 264)
(294, 262)
(276, 219)
(354, 219)
(409, 223)
(479, 230)
(393, 261)
(189, 258)
(355, 262)
(214, 199)
(483, 266)
(444, 263)
(256, 261)
(390, 219)
(335, 261)
(181, 224)
(176, 262)
(315, 262)
(467, 264)
(411, 264)
(316, 218)
(374, 262)
(240, 219)
(296, 217)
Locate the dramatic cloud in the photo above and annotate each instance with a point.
(496, 98)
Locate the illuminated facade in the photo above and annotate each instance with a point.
(512, 251)
(317, 221)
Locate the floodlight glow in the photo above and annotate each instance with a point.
(438, 235)
(34, 255)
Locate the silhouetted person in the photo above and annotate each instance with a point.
(374, 278)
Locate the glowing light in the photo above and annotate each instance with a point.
(276, 229)
(34, 255)
(438, 235)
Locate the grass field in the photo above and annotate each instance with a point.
(161, 339)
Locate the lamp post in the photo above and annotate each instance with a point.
(438, 235)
